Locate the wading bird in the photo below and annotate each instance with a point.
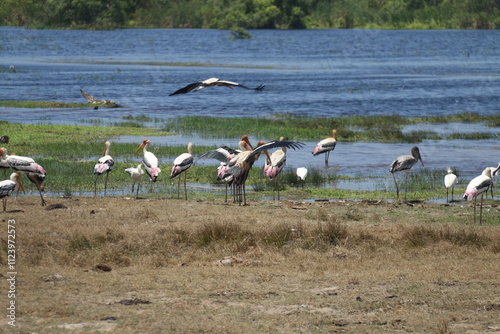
(494, 177)
(450, 180)
(37, 180)
(325, 146)
(275, 165)
(301, 174)
(181, 164)
(226, 156)
(477, 186)
(105, 164)
(136, 175)
(149, 161)
(24, 165)
(7, 187)
(196, 86)
(405, 163)
(243, 162)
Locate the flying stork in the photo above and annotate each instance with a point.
(196, 86)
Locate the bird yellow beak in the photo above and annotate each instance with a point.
(140, 147)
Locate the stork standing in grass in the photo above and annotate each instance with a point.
(450, 180)
(226, 156)
(477, 186)
(24, 165)
(149, 161)
(37, 179)
(105, 164)
(405, 163)
(494, 177)
(136, 175)
(181, 164)
(275, 165)
(244, 161)
(326, 146)
(7, 187)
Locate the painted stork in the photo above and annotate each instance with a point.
(24, 165)
(181, 164)
(450, 180)
(226, 156)
(405, 163)
(326, 146)
(494, 177)
(301, 174)
(477, 186)
(7, 187)
(244, 161)
(196, 86)
(21, 164)
(105, 164)
(37, 179)
(149, 161)
(136, 175)
(275, 165)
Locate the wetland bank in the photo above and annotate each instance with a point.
(339, 255)
(287, 266)
(356, 263)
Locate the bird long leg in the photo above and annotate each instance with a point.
(406, 184)
(4, 202)
(106, 183)
(396, 183)
(39, 187)
(327, 155)
(447, 196)
(481, 211)
(185, 189)
(133, 185)
(226, 191)
(474, 210)
(244, 194)
(179, 188)
(279, 176)
(452, 193)
(138, 187)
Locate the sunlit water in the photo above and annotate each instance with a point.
(328, 73)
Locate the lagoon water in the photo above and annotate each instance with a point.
(327, 73)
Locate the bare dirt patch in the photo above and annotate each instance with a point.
(284, 267)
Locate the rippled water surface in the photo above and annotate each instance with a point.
(306, 72)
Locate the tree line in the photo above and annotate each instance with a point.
(252, 14)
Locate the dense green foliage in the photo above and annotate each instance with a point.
(252, 14)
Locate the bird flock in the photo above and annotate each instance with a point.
(233, 169)
(234, 165)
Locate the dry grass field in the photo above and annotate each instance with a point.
(123, 265)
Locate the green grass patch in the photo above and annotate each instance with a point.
(70, 141)
(349, 129)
